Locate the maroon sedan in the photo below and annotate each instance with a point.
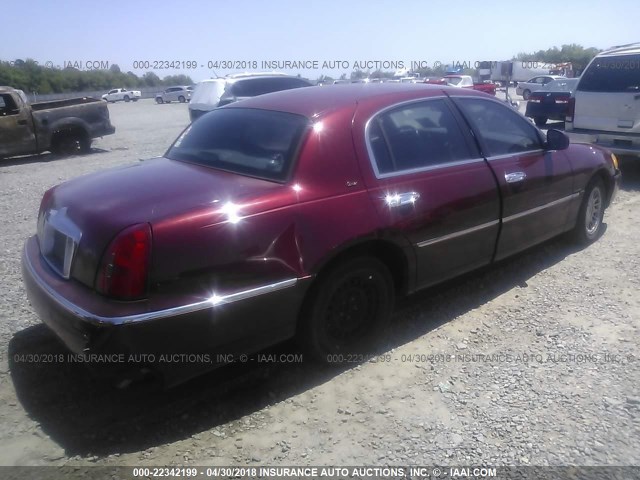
(304, 212)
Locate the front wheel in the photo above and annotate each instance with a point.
(181, 99)
(589, 225)
(526, 94)
(347, 310)
(126, 98)
(159, 100)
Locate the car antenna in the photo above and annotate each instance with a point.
(214, 72)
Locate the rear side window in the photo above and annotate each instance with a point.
(7, 105)
(415, 136)
(612, 74)
(259, 86)
(258, 143)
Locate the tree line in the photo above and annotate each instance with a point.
(27, 75)
(31, 77)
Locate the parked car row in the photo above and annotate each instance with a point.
(601, 107)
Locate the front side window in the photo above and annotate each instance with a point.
(502, 130)
(612, 75)
(258, 143)
(414, 136)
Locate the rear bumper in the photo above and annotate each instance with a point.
(619, 143)
(179, 342)
(553, 111)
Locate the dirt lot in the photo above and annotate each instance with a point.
(532, 362)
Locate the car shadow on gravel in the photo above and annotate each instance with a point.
(42, 158)
(630, 168)
(88, 416)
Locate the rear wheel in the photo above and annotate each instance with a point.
(589, 225)
(540, 121)
(70, 143)
(347, 310)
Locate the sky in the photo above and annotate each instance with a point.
(327, 37)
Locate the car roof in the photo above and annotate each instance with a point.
(313, 102)
(629, 49)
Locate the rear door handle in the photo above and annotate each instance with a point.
(400, 199)
(515, 177)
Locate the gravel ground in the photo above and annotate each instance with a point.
(531, 362)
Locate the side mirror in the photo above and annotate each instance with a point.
(556, 140)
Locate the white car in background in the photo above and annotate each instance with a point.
(216, 92)
(605, 108)
(121, 94)
(533, 84)
(175, 94)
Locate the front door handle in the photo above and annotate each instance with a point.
(400, 199)
(515, 177)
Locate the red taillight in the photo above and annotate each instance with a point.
(571, 109)
(124, 270)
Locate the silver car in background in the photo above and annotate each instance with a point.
(533, 84)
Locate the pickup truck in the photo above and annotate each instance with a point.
(121, 94)
(465, 81)
(62, 126)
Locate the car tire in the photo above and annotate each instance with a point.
(526, 94)
(126, 98)
(70, 143)
(135, 99)
(540, 121)
(347, 310)
(589, 225)
(159, 101)
(181, 99)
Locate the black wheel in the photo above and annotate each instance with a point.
(71, 143)
(181, 99)
(589, 225)
(526, 94)
(126, 98)
(159, 100)
(135, 99)
(540, 121)
(347, 310)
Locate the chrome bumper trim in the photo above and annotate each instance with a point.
(212, 302)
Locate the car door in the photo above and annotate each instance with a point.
(16, 128)
(536, 184)
(429, 184)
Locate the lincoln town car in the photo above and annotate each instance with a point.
(302, 213)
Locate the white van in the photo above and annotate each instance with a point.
(216, 92)
(605, 109)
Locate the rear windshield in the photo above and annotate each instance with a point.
(612, 74)
(258, 143)
(259, 86)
